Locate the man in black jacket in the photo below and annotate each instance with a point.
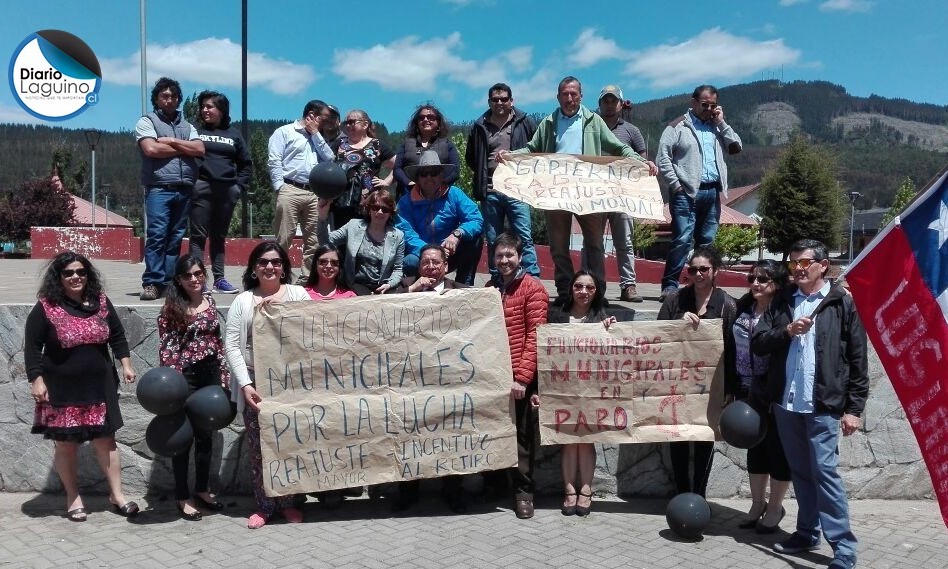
(501, 127)
(818, 383)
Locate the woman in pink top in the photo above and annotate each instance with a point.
(325, 281)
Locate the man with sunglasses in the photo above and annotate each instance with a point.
(818, 383)
(501, 127)
(691, 165)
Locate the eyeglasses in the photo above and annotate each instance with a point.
(709, 106)
(579, 286)
(762, 280)
(499, 99)
(696, 270)
(351, 122)
(381, 209)
(429, 173)
(801, 263)
(81, 273)
(328, 262)
(198, 275)
(430, 118)
(262, 263)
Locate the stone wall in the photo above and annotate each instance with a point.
(883, 461)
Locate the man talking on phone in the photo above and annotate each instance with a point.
(691, 165)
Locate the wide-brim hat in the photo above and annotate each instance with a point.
(429, 159)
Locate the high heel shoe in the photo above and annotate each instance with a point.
(752, 523)
(569, 510)
(194, 516)
(583, 511)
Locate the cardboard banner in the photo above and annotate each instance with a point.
(638, 382)
(581, 184)
(383, 388)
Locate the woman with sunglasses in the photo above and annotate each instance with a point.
(766, 461)
(700, 300)
(364, 156)
(189, 340)
(584, 304)
(266, 279)
(373, 248)
(325, 282)
(427, 130)
(72, 375)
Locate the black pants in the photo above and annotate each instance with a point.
(523, 483)
(680, 454)
(212, 206)
(203, 373)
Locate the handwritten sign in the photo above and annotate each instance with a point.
(381, 389)
(637, 382)
(581, 184)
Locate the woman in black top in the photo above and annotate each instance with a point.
(699, 300)
(427, 130)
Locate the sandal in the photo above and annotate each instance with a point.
(569, 510)
(128, 509)
(76, 515)
(583, 511)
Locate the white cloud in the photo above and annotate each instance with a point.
(14, 114)
(210, 61)
(538, 88)
(846, 6)
(590, 48)
(712, 54)
(791, 2)
(519, 58)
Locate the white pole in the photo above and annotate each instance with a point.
(93, 186)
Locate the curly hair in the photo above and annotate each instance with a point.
(249, 279)
(161, 85)
(412, 129)
(709, 253)
(176, 298)
(51, 287)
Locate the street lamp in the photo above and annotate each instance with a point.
(852, 219)
(92, 137)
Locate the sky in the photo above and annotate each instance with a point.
(388, 58)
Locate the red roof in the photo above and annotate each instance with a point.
(83, 215)
(735, 195)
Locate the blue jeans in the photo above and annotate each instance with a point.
(496, 207)
(691, 217)
(811, 443)
(166, 215)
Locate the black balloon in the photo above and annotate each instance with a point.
(168, 435)
(688, 514)
(742, 426)
(329, 180)
(209, 408)
(162, 390)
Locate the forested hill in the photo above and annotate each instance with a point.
(878, 141)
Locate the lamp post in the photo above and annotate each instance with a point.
(853, 196)
(92, 137)
(107, 189)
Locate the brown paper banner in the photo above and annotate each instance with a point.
(638, 382)
(382, 388)
(581, 184)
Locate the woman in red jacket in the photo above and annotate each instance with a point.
(525, 307)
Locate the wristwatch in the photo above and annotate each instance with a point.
(457, 233)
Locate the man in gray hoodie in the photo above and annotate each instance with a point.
(691, 164)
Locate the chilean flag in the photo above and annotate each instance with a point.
(900, 286)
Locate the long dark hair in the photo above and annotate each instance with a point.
(596, 306)
(249, 279)
(412, 129)
(176, 298)
(313, 279)
(221, 102)
(51, 287)
(773, 269)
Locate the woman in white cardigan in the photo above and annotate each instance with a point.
(266, 279)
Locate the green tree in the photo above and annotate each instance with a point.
(37, 202)
(465, 175)
(191, 108)
(800, 198)
(260, 192)
(735, 241)
(904, 195)
(643, 237)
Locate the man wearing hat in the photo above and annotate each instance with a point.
(611, 108)
(574, 129)
(438, 213)
(292, 152)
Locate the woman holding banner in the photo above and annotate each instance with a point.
(583, 305)
(766, 461)
(700, 300)
(266, 279)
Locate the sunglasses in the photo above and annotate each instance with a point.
(801, 263)
(709, 106)
(196, 275)
(262, 263)
(429, 173)
(81, 273)
(381, 209)
(430, 118)
(328, 262)
(758, 278)
(499, 99)
(579, 286)
(696, 270)
(351, 122)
